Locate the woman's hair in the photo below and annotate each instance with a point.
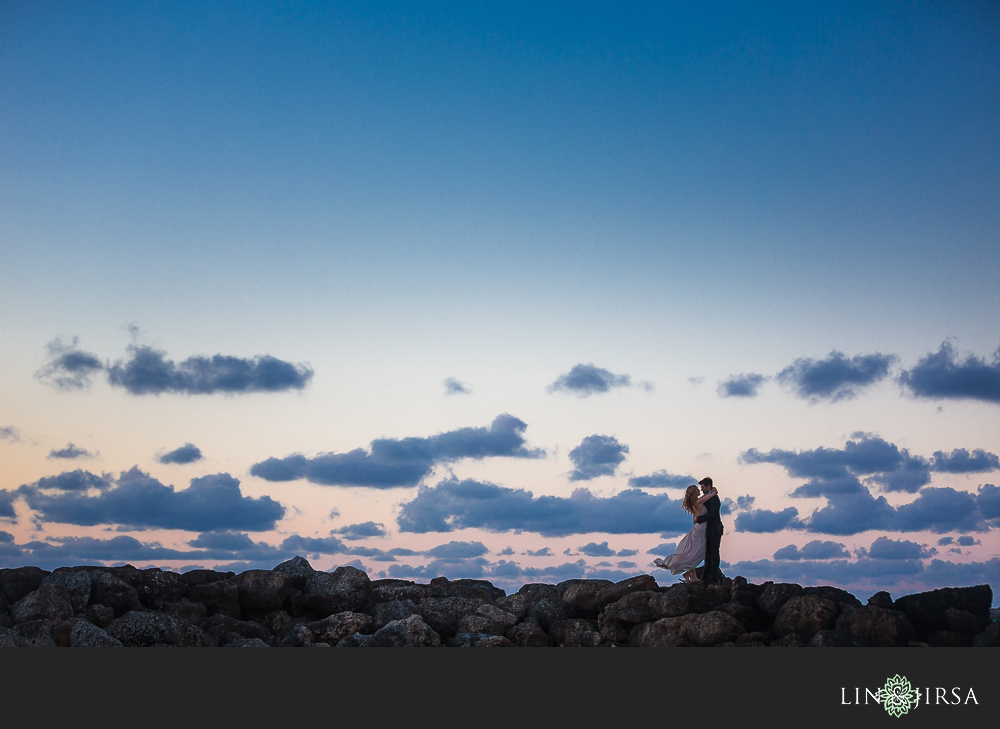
(691, 496)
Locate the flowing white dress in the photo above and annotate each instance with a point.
(690, 552)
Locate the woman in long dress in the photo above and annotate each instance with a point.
(691, 551)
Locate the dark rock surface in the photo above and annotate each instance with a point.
(296, 606)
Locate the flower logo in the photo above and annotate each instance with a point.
(897, 696)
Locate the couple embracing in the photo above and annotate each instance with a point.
(702, 542)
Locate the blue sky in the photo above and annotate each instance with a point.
(476, 291)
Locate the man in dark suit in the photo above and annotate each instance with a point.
(713, 534)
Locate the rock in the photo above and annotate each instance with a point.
(220, 597)
(841, 598)
(774, 595)
(989, 638)
(397, 590)
(443, 613)
(156, 587)
(246, 643)
(411, 632)
(298, 570)
(386, 612)
(223, 629)
(205, 577)
(576, 633)
(618, 590)
(298, 637)
(700, 629)
(140, 629)
(51, 602)
(881, 599)
(99, 615)
(479, 640)
(877, 627)
(473, 589)
(355, 640)
(488, 619)
(834, 639)
(107, 589)
(325, 593)
(529, 634)
(17, 582)
(185, 609)
(613, 631)
(926, 610)
(77, 584)
(334, 628)
(38, 633)
(262, 590)
(805, 615)
(11, 639)
(949, 639)
(86, 635)
(962, 621)
(580, 597)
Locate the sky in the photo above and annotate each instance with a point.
(476, 291)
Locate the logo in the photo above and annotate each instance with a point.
(897, 696)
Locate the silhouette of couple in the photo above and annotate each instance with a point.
(702, 542)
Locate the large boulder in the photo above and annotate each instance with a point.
(298, 569)
(474, 589)
(334, 628)
(142, 629)
(618, 590)
(223, 629)
(386, 612)
(220, 597)
(927, 611)
(77, 584)
(877, 627)
(107, 589)
(529, 634)
(38, 633)
(48, 602)
(774, 595)
(262, 590)
(443, 613)
(87, 635)
(411, 632)
(478, 640)
(10, 638)
(156, 587)
(805, 615)
(487, 619)
(700, 629)
(580, 597)
(17, 582)
(392, 590)
(576, 633)
(327, 593)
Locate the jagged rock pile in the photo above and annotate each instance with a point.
(294, 605)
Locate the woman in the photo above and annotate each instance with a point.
(691, 551)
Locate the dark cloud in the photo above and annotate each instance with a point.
(941, 375)
(454, 504)
(961, 461)
(813, 550)
(627, 552)
(744, 385)
(138, 501)
(836, 377)
(361, 531)
(543, 552)
(70, 452)
(73, 481)
(940, 510)
(945, 541)
(988, 501)
(457, 550)
(400, 463)
(851, 514)
(832, 471)
(187, 453)
(456, 387)
(763, 521)
(7, 504)
(663, 549)
(846, 574)
(148, 372)
(69, 368)
(597, 455)
(314, 546)
(586, 379)
(597, 550)
(10, 433)
(885, 548)
(661, 480)
(967, 541)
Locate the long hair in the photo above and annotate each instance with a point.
(691, 496)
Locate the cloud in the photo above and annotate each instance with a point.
(543, 552)
(139, 501)
(69, 368)
(836, 377)
(10, 433)
(584, 380)
(147, 371)
(597, 550)
(941, 376)
(400, 463)
(763, 521)
(73, 481)
(961, 461)
(744, 385)
(7, 504)
(813, 550)
(70, 452)
(988, 501)
(457, 550)
(314, 545)
(455, 387)
(967, 541)
(454, 504)
(361, 531)
(885, 548)
(661, 480)
(851, 514)
(597, 455)
(940, 510)
(187, 453)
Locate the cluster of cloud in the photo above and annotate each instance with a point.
(70, 452)
(187, 453)
(939, 375)
(148, 371)
(137, 501)
(584, 380)
(392, 463)
(597, 455)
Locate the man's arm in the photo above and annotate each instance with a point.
(711, 511)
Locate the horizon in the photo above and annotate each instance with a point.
(477, 292)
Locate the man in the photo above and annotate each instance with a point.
(713, 534)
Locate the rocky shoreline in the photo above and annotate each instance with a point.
(294, 605)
